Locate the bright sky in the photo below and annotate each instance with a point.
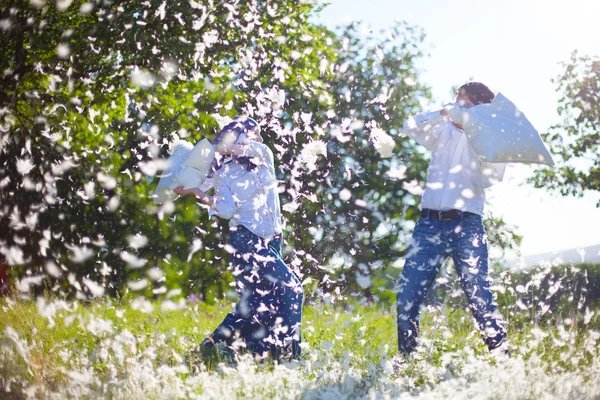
(513, 46)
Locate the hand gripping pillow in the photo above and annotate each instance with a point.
(188, 166)
(189, 177)
(499, 133)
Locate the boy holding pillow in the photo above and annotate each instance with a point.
(451, 222)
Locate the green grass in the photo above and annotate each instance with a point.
(102, 349)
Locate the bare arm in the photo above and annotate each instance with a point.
(223, 203)
(200, 195)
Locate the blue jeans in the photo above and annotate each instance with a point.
(268, 314)
(433, 241)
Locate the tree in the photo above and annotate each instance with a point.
(575, 142)
(93, 94)
(356, 221)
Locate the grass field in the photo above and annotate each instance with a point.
(134, 349)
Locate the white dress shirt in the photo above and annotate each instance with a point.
(249, 198)
(456, 177)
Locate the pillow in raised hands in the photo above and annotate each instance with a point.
(499, 133)
(164, 190)
(201, 157)
(188, 166)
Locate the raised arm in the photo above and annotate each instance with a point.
(200, 195)
(222, 203)
(425, 128)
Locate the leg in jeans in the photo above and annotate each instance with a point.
(268, 314)
(425, 257)
(470, 255)
(289, 307)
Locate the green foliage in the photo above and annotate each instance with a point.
(94, 94)
(575, 141)
(373, 85)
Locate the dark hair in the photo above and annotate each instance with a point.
(240, 125)
(478, 92)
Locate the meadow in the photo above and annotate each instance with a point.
(134, 348)
(94, 98)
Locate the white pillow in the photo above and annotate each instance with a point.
(201, 156)
(189, 177)
(187, 166)
(498, 132)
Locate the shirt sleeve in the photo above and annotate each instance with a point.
(425, 128)
(491, 173)
(224, 205)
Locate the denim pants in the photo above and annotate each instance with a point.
(268, 314)
(433, 241)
